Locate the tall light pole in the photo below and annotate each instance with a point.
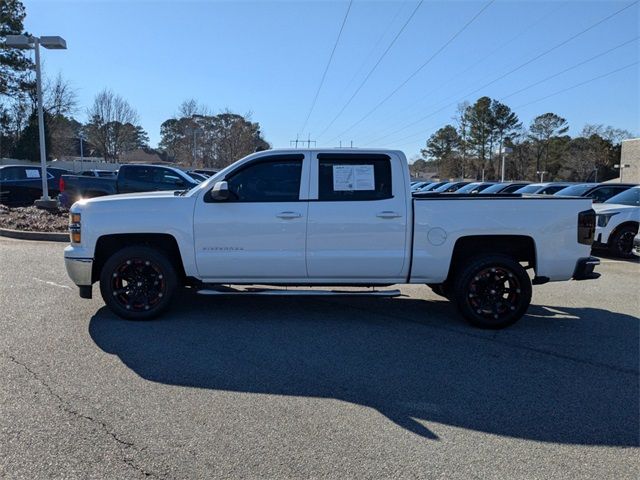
(541, 173)
(28, 42)
(504, 150)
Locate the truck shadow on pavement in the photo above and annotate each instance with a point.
(559, 375)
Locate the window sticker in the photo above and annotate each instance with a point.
(353, 177)
(33, 173)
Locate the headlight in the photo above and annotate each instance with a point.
(74, 228)
(603, 219)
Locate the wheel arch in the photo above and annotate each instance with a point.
(628, 223)
(520, 247)
(107, 245)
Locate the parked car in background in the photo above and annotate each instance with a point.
(548, 188)
(450, 187)
(504, 187)
(130, 179)
(207, 172)
(429, 187)
(98, 173)
(199, 177)
(617, 222)
(599, 192)
(475, 187)
(418, 185)
(21, 185)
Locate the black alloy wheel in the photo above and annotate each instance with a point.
(492, 291)
(138, 283)
(621, 243)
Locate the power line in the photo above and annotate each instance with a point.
(579, 84)
(570, 68)
(477, 62)
(593, 79)
(326, 68)
(513, 70)
(374, 48)
(419, 69)
(372, 69)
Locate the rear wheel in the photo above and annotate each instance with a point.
(621, 242)
(441, 289)
(138, 283)
(493, 291)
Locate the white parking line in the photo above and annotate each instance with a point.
(53, 284)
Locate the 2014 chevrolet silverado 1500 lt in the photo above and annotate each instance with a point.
(327, 217)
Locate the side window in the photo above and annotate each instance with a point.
(550, 190)
(512, 188)
(138, 174)
(12, 173)
(169, 178)
(605, 193)
(354, 177)
(269, 180)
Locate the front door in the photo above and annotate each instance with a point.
(258, 234)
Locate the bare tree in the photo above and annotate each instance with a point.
(111, 119)
(60, 103)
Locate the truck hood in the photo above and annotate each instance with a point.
(129, 196)
(601, 208)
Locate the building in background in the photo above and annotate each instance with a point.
(630, 155)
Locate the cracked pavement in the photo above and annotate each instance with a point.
(315, 388)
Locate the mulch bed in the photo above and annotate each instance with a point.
(32, 219)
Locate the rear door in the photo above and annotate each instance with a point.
(257, 234)
(358, 218)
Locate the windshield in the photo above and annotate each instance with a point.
(469, 188)
(529, 189)
(574, 190)
(497, 188)
(442, 188)
(628, 197)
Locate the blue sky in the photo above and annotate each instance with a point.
(268, 57)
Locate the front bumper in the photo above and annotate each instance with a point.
(585, 269)
(79, 270)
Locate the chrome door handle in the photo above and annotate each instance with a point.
(289, 215)
(388, 214)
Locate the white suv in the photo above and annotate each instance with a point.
(617, 222)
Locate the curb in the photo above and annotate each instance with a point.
(42, 236)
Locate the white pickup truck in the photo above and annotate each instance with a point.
(334, 217)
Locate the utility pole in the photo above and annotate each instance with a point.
(541, 173)
(297, 141)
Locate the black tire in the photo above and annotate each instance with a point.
(138, 283)
(621, 242)
(492, 291)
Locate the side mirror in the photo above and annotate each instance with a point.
(220, 191)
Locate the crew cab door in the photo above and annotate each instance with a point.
(258, 233)
(358, 218)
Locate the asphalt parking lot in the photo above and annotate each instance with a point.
(315, 387)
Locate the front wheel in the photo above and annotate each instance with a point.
(492, 291)
(138, 283)
(621, 242)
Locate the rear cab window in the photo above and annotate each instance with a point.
(354, 177)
